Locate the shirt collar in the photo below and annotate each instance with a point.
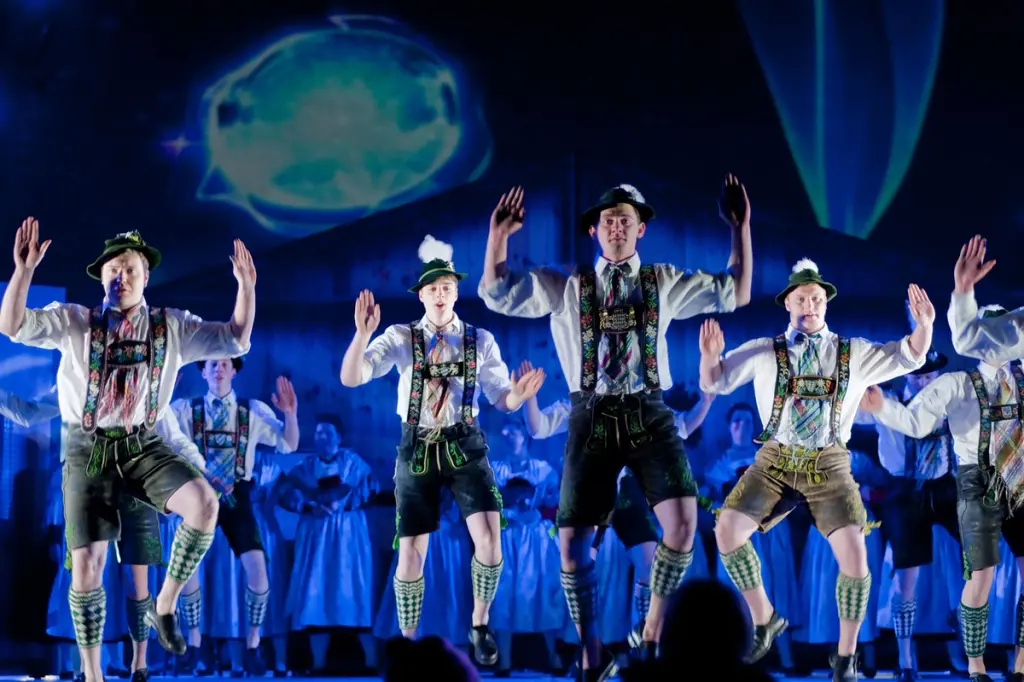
(140, 308)
(990, 372)
(228, 401)
(603, 263)
(453, 327)
(793, 334)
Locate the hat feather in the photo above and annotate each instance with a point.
(434, 249)
(805, 264)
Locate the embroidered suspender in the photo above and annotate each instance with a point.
(994, 413)
(810, 387)
(241, 435)
(421, 371)
(590, 330)
(101, 353)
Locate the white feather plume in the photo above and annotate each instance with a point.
(432, 249)
(805, 264)
(633, 192)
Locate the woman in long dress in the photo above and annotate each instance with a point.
(775, 548)
(331, 585)
(529, 597)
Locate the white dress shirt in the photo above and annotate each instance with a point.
(892, 443)
(65, 327)
(992, 339)
(870, 363)
(264, 426)
(555, 420)
(535, 472)
(393, 348)
(950, 396)
(546, 291)
(29, 412)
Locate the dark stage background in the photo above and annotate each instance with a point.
(874, 137)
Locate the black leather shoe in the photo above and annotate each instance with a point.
(485, 649)
(167, 631)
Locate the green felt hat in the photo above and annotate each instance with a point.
(437, 263)
(126, 241)
(805, 272)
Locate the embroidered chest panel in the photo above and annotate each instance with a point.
(217, 445)
(105, 354)
(993, 413)
(808, 387)
(596, 320)
(423, 371)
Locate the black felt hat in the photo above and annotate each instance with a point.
(126, 241)
(437, 263)
(933, 362)
(236, 363)
(623, 194)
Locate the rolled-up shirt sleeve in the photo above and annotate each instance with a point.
(554, 419)
(741, 365)
(688, 294)
(533, 293)
(996, 340)
(200, 339)
(52, 326)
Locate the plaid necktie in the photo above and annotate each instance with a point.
(619, 350)
(806, 415)
(1007, 437)
(223, 461)
(923, 458)
(437, 389)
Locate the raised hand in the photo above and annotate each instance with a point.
(242, 266)
(873, 399)
(712, 340)
(28, 252)
(733, 205)
(524, 367)
(508, 215)
(971, 266)
(367, 313)
(921, 308)
(285, 399)
(526, 385)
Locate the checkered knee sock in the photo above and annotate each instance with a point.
(581, 593)
(904, 613)
(256, 606)
(743, 567)
(668, 568)
(974, 629)
(1020, 621)
(135, 611)
(642, 600)
(485, 579)
(88, 613)
(187, 550)
(409, 600)
(191, 609)
(852, 596)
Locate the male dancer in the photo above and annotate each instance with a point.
(983, 408)
(609, 325)
(139, 546)
(227, 431)
(111, 391)
(448, 362)
(923, 494)
(807, 384)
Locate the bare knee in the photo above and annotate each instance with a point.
(196, 503)
(412, 552)
(87, 564)
(574, 545)
(976, 589)
(851, 551)
(255, 565)
(732, 530)
(906, 582)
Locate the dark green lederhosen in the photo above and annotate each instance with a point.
(103, 471)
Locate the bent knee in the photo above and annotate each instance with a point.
(199, 502)
(732, 529)
(87, 564)
(680, 534)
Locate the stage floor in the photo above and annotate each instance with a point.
(525, 677)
